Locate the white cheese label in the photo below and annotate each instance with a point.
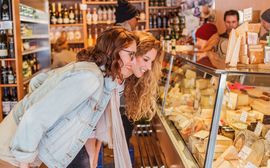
(250, 165)
(267, 136)
(258, 129)
(244, 116)
(247, 14)
(244, 153)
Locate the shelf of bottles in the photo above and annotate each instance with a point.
(97, 2)
(8, 86)
(67, 17)
(100, 15)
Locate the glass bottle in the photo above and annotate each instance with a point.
(71, 15)
(5, 10)
(88, 17)
(6, 101)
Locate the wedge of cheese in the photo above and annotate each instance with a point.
(242, 100)
(190, 74)
(202, 83)
(261, 106)
(229, 154)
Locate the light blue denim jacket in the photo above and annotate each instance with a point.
(61, 114)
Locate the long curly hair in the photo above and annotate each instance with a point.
(106, 51)
(141, 93)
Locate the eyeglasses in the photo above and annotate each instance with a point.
(130, 53)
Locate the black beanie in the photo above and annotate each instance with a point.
(125, 11)
(266, 15)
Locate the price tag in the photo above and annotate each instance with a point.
(268, 163)
(244, 153)
(250, 165)
(83, 7)
(247, 14)
(258, 129)
(244, 116)
(267, 136)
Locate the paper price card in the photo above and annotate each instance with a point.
(244, 153)
(250, 165)
(244, 116)
(258, 129)
(267, 135)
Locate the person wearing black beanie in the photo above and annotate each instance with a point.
(126, 15)
(265, 21)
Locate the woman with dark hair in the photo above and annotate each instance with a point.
(53, 122)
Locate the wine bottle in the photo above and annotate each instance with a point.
(13, 98)
(6, 101)
(3, 46)
(5, 10)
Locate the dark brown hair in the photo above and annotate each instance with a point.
(106, 51)
(231, 13)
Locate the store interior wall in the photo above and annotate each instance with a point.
(222, 5)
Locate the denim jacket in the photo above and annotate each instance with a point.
(58, 117)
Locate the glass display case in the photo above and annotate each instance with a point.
(215, 117)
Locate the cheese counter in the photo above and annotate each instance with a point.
(214, 117)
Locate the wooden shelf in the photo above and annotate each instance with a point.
(36, 36)
(8, 85)
(110, 22)
(63, 25)
(72, 42)
(36, 50)
(29, 20)
(8, 59)
(157, 29)
(163, 7)
(111, 2)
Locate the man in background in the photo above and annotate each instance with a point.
(265, 21)
(126, 15)
(231, 20)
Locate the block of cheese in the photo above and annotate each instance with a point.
(231, 44)
(189, 83)
(190, 74)
(232, 102)
(244, 59)
(225, 164)
(202, 83)
(208, 91)
(206, 113)
(244, 108)
(242, 29)
(242, 100)
(221, 140)
(252, 38)
(229, 154)
(261, 106)
(256, 56)
(206, 102)
(235, 163)
(236, 51)
(254, 27)
(201, 134)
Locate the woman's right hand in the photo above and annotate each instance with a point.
(24, 165)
